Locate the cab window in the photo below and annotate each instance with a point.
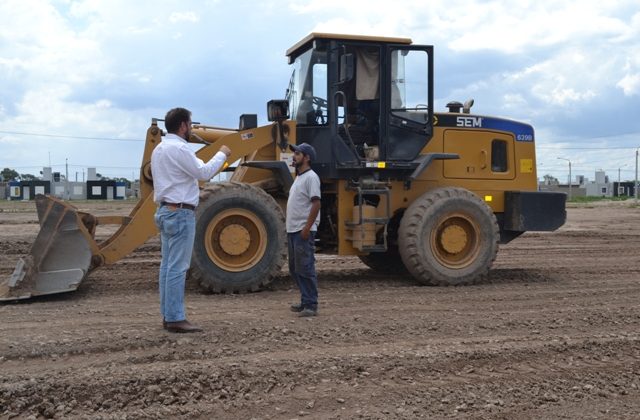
(499, 156)
(409, 84)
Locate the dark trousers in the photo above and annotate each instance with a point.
(302, 267)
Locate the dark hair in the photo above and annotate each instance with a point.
(175, 118)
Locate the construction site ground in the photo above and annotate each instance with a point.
(553, 333)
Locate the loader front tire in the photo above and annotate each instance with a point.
(240, 242)
(448, 237)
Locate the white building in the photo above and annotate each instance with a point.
(601, 187)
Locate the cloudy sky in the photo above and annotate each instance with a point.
(81, 80)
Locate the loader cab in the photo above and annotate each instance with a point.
(364, 103)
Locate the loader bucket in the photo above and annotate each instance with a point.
(60, 257)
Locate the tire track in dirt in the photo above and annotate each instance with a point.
(552, 333)
(458, 377)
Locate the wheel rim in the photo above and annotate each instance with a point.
(455, 241)
(236, 239)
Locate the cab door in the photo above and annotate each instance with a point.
(407, 95)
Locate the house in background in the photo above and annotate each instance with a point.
(27, 190)
(624, 188)
(581, 186)
(601, 187)
(55, 184)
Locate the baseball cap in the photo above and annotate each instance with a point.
(305, 149)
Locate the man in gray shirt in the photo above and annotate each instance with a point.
(303, 217)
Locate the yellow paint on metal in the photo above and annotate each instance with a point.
(236, 239)
(455, 241)
(526, 166)
(141, 224)
(475, 162)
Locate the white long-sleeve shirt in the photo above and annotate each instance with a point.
(176, 170)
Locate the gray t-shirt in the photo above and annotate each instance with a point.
(305, 187)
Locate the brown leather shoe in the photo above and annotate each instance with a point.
(182, 327)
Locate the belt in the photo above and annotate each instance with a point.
(179, 205)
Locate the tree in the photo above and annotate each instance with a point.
(27, 177)
(550, 180)
(9, 174)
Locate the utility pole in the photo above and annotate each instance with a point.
(635, 184)
(618, 177)
(570, 174)
(66, 178)
(618, 192)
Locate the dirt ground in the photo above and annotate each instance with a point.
(554, 333)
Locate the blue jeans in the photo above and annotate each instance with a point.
(302, 267)
(177, 232)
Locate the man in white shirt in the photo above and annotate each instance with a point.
(303, 218)
(176, 170)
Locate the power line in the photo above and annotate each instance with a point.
(586, 148)
(21, 133)
(605, 136)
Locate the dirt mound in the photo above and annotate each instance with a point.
(552, 333)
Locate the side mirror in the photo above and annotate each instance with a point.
(277, 110)
(347, 67)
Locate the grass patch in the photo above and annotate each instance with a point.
(591, 199)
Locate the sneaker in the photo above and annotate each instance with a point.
(308, 312)
(297, 307)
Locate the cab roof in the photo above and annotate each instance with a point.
(365, 38)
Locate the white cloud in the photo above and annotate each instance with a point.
(513, 101)
(630, 80)
(566, 96)
(39, 43)
(98, 68)
(179, 17)
(630, 84)
(513, 28)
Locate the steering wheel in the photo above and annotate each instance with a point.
(321, 108)
(319, 102)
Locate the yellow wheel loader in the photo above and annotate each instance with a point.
(405, 188)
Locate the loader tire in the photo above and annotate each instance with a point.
(240, 242)
(448, 237)
(390, 261)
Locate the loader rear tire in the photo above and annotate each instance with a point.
(240, 243)
(448, 237)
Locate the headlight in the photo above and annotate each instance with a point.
(278, 110)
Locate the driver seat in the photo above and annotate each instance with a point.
(306, 112)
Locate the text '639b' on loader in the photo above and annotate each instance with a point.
(408, 190)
